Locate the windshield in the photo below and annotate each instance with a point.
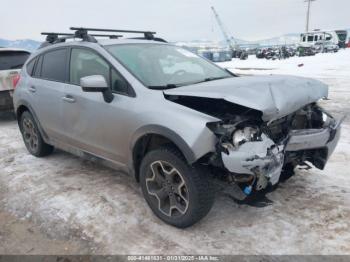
(165, 66)
(342, 36)
(12, 59)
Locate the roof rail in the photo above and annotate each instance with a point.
(149, 35)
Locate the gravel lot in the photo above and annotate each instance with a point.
(65, 205)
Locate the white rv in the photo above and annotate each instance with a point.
(336, 37)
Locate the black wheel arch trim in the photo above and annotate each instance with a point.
(31, 110)
(167, 133)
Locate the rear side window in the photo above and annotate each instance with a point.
(12, 59)
(54, 65)
(37, 70)
(30, 66)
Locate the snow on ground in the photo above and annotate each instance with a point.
(68, 197)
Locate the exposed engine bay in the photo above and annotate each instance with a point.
(252, 153)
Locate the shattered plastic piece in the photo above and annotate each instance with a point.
(247, 190)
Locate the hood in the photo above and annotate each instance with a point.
(274, 96)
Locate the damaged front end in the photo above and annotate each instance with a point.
(253, 153)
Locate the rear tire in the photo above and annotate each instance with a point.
(177, 193)
(32, 137)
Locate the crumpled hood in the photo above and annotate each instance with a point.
(274, 96)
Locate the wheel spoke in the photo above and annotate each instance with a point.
(169, 173)
(161, 194)
(181, 191)
(157, 177)
(175, 204)
(25, 127)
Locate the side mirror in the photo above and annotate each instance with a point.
(97, 83)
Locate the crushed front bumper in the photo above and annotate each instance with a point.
(305, 139)
(265, 159)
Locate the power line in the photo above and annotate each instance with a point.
(308, 14)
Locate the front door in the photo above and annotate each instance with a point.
(91, 123)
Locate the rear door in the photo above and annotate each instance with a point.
(11, 62)
(47, 89)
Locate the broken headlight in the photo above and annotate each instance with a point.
(246, 134)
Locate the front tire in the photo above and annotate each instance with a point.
(177, 193)
(32, 137)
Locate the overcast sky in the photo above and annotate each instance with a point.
(174, 20)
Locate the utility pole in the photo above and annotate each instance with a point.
(308, 14)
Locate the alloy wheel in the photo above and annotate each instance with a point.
(168, 189)
(30, 134)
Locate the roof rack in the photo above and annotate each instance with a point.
(83, 31)
(52, 37)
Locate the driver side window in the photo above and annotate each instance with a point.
(86, 63)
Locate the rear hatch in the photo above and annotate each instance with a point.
(11, 62)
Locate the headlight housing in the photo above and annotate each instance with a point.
(246, 134)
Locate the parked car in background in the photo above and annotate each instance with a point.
(326, 47)
(11, 62)
(303, 50)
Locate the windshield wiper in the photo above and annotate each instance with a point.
(168, 86)
(212, 79)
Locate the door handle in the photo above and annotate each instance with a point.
(32, 89)
(68, 99)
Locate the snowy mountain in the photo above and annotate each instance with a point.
(26, 44)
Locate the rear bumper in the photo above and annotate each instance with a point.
(6, 101)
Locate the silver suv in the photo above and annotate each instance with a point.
(181, 125)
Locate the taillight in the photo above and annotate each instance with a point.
(15, 80)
